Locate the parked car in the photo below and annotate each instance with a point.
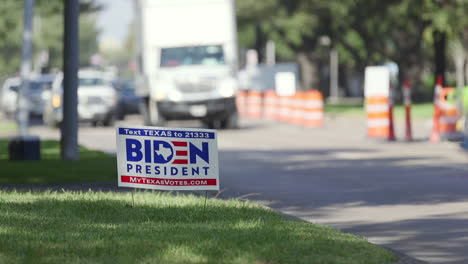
(97, 99)
(128, 101)
(9, 96)
(37, 95)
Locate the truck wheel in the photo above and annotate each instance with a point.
(120, 114)
(231, 122)
(110, 120)
(212, 123)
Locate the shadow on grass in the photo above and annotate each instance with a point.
(53, 231)
(93, 166)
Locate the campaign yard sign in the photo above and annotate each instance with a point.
(167, 159)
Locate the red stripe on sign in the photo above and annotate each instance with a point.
(167, 182)
(181, 153)
(180, 161)
(179, 143)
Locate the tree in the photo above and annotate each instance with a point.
(408, 32)
(11, 29)
(48, 32)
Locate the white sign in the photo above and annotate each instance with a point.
(285, 83)
(167, 159)
(377, 81)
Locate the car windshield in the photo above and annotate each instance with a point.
(127, 88)
(14, 88)
(40, 85)
(194, 55)
(86, 82)
(34, 86)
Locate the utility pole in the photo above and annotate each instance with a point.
(26, 58)
(270, 53)
(25, 146)
(334, 92)
(69, 128)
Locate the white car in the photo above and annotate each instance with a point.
(39, 89)
(9, 96)
(97, 99)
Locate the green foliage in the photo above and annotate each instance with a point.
(11, 30)
(47, 32)
(364, 32)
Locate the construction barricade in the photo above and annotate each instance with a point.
(270, 105)
(302, 108)
(407, 103)
(312, 108)
(254, 104)
(284, 108)
(297, 108)
(241, 102)
(378, 116)
(379, 105)
(448, 115)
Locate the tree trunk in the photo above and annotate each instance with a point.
(260, 42)
(440, 39)
(308, 71)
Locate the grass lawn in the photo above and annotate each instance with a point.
(93, 166)
(97, 227)
(418, 111)
(7, 126)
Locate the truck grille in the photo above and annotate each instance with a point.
(92, 100)
(196, 87)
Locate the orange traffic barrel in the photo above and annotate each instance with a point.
(254, 104)
(378, 116)
(241, 102)
(270, 104)
(448, 115)
(283, 108)
(297, 108)
(312, 107)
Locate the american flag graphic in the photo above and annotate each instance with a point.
(181, 152)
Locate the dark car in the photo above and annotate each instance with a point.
(128, 101)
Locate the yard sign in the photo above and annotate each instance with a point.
(167, 159)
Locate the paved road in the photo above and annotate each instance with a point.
(412, 197)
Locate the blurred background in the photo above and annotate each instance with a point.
(415, 39)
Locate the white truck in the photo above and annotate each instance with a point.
(187, 65)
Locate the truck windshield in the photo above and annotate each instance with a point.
(194, 55)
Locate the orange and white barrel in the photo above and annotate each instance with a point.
(283, 108)
(448, 115)
(312, 108)
(254, 104)
(270, 102)
(241, 102)
(297, 110)
(378, 116)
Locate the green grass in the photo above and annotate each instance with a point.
(418, 111)
(344, 109)
(7, 126)
(97, 227)
(93, 166)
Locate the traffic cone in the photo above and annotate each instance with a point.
(435, 135)
(407, 102)
(391, 132)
